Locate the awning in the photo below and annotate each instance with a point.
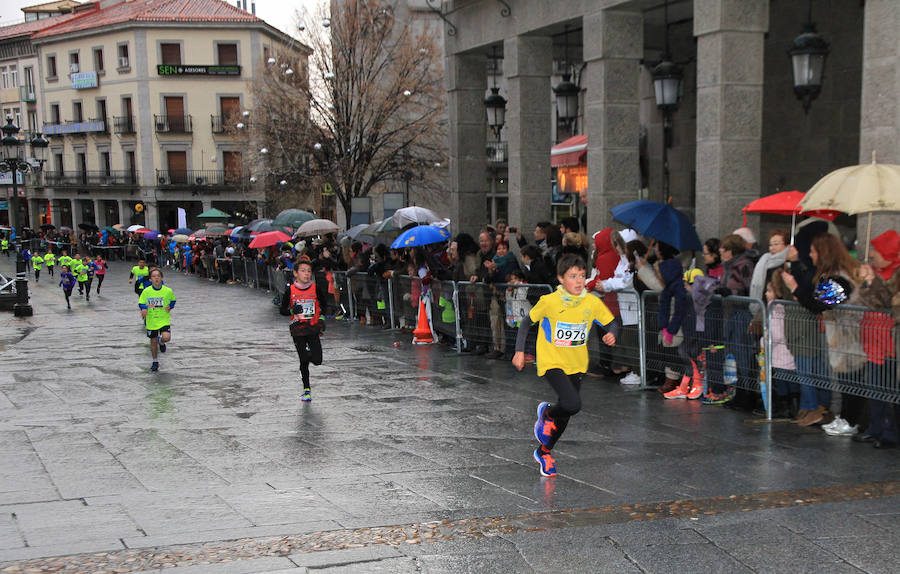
(569, 152)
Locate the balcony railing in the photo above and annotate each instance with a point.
(173, 124)
(124, 124)
(123, 178)
(198, 178)
(497, 152)
(27, 94)
(224, 125)
(105, 121)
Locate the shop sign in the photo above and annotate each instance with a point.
(173, 70)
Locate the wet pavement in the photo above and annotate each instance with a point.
(409, 459)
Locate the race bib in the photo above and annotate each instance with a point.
(570, 334)
(307, 308)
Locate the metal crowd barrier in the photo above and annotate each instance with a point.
(849, 350)
(372, 298)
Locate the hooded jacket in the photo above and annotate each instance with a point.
(605, 262)
(673, 295)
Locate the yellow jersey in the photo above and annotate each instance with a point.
(564, 329)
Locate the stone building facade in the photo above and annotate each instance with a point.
(739, 132)
(141, 102)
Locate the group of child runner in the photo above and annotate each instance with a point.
(79, 270)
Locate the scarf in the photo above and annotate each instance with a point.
(766, 263)
(500, 261)
(569, 300)
(888, 245)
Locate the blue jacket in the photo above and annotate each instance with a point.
(675, 294)
(67, 280)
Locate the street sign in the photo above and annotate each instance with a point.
(74, 128)
(172, 70)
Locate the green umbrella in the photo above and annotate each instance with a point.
(292, 218)
(111, 229)
(214, 214)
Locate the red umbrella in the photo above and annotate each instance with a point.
(268, 239)
(786, 203)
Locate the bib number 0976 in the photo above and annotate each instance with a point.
(570, 334)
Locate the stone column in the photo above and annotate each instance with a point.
(77, 214)
(34, 214)
(99, 213)
(613, 47)
(466, 85)
(880, 114)
(207, 204)
(151, 215)
(730, 35)
(55, 213)
(528, 61)
(124, 212)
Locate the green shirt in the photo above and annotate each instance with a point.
(4, 244)
(65, 260)
(157, 302)
(37, 261)
(80, 271)
(50, 259)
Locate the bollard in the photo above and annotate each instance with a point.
(22, 308)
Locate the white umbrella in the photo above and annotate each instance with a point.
(857, 189)
(316, 227)
(135, 228)
(418, 215)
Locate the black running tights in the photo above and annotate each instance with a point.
(309, 349)
(568, 392)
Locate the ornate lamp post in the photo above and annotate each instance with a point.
(808, 53)
(11, 163)
(667, 87)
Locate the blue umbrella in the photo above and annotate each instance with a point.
(421, 235)
(151, 235)
(183, 231)
(659, 221)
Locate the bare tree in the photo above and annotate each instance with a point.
(370, 111)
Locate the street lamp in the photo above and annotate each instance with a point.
(566, 93)
(495, 106)
(808, 53)
(667, 88)
(11, 163)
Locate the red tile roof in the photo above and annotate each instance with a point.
(153, 11)
(29, 28)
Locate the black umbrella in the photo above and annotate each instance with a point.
(48, 226)
(88, 227)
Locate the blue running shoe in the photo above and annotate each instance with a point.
(306, 396)
(154, 366)
(543, 427)
(548, 465)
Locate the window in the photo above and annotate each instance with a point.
(51, 67)
(171, 54)
(98, 60)
(123, 57)
(54, 113)
(104, 163)
(131, 164)
(4, 74)
(233, 166)
(29, 79)
(177, 163)
(58, 165)
(101, 110)
(81, 162)
(13, 77)
(74, 67)
(32, 121)
(228, 54)
(17, 117)
(77, 115)
(267, 53)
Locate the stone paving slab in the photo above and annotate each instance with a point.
(216, 447)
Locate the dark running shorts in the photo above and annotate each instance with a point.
(155, 333)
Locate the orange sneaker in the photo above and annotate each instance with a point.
(681, 391)
(695, 392)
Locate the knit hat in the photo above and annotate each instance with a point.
(746, 234)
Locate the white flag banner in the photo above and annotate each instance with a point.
(182, 218)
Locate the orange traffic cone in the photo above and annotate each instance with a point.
(422, 335)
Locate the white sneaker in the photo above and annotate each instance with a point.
(631, 379)
(833, 424)
(840, 427)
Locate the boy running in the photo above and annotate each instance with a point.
(79, 269)
(50, 261)
(67, 282)
(156, 305)
(565, 317)
(140, 276)
(37, 262)
(65, 260)
(305, 301)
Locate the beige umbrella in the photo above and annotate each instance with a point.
(316, 227)
(857, 189)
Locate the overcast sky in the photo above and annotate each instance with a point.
(278, 13)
